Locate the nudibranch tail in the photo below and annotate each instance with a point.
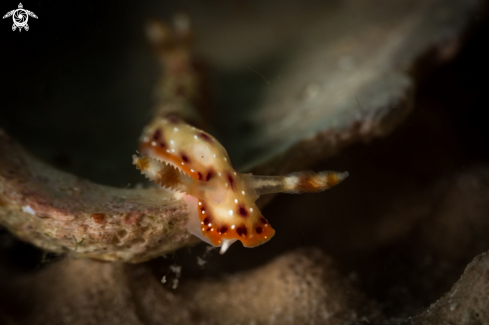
(296, 183)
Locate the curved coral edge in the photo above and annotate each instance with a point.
(62, 213)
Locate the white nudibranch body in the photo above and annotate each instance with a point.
(220, 200)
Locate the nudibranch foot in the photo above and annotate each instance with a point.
(221, 201)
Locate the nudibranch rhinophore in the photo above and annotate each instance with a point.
(221, 200)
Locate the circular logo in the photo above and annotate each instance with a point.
(20, 17)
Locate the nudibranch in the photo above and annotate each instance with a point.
(221, 200)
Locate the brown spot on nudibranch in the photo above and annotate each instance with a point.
(98, 217)
(242, 211)
(200, 176)
(185, 158)
(204, 137)
(223, 230)
(231, 181)
(258, 230)
(207, 221)
(157, 135)
(156, 139)
(210, 174)
(242, 231)
(263, 220)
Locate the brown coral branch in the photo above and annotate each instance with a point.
(62, 213)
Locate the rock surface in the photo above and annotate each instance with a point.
(62, 213)
(301, 286)
(466, 303)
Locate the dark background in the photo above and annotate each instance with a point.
(72, 85)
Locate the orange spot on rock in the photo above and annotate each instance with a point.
(98, 217)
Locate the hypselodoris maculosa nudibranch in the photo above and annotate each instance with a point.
(221, 200)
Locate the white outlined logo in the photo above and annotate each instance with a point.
(20, 17)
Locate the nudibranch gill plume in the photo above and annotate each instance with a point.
(221, 200)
